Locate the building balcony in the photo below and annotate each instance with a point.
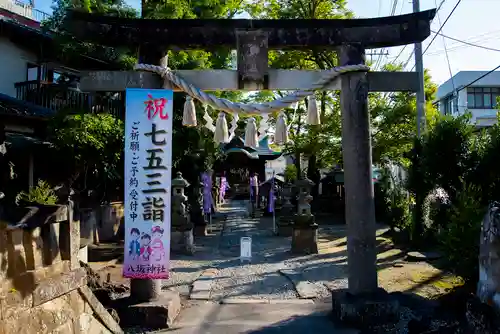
(24, 10)
(68, 97)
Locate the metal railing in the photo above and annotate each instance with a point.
(58, 97)
(25, 10)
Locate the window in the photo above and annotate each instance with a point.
(482, 97)
(449, 105)
(32, 72)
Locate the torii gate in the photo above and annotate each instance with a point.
(253, 39)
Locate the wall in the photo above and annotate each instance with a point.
(22, 12)
(42, 286)
(104, 224)
(13, 66)
(481, 117)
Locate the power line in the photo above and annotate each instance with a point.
(466, 43)
(456, 47)
(399, 54)
(446, 50)
(393, 11)
(479, 78)
(442, 26)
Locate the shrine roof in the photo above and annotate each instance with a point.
(283, 33)
(237, 145)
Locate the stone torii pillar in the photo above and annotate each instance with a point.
(357, 156)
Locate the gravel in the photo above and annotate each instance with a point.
(261, 278)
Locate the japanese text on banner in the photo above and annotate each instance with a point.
(148, 176)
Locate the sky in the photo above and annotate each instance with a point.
(480, 28)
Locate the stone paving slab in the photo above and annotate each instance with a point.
(203, 285)
(304, 288)
(212, 318)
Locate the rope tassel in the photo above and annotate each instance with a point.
(312, 111)
(281, 133)
(189, 114)
(251, 139)
(221, 135)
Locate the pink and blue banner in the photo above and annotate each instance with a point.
(148, 176)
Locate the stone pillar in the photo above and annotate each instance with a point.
(358, 183)
(305, 230)
(285, 220)
(196, 209)
(488, 287)
(363, 304)
(182, 227)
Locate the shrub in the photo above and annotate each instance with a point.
(290, 173)
(41, 194)
(459, 238)
(392, 202)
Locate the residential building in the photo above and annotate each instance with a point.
(35, 83)
(463, 93)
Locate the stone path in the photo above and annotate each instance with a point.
(216, 273)
(278, 292)
(213, 318)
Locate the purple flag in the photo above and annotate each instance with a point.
(223, 188)
(207, 192)
(271, 196)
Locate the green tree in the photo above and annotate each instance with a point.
(72, 49)
(394, 119)
(319, 144)
(90, 151)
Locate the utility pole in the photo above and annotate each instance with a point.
(419, 67)
(371, 54)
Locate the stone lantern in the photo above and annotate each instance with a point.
(181, 225)
(305, 230)
(285, 221)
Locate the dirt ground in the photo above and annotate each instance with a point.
(395, 272)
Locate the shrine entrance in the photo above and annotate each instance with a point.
(252, 39)
(241, 162)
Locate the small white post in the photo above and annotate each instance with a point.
(273, 202)
(245, 249)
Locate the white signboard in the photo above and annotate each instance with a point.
(246, 249)
(148, 176)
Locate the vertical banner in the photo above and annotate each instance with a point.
(207, 192)
(271, 195)
(148, 176)
(223, 188)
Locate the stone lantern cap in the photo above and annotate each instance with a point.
(304, 183)
(179, 181)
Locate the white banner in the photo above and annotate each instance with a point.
(148, 176)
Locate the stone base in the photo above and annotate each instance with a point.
(200, 231)
(182, 242)
(285, 230)
(157, 314)
(305, 240)
(364, 310)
